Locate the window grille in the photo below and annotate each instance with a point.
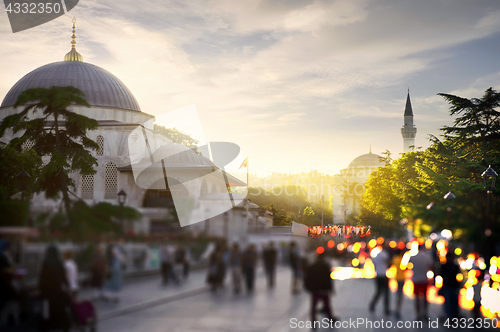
(100, 142)
(110, 180)
(88, 186)
(27, 145)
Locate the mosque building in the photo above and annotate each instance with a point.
(122, 123)
(349, 184)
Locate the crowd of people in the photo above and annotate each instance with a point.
(424, 265)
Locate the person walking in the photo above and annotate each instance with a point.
(179, 262)
(400, 278)
(248, 264)
(114, 282)
(215, 274)
(235, 267)
(319, 283)
(71, 272)
(187, 263)
(166, 264)
(295, 261)
(380, 259)
(269, 257)
(451, 286)
(8, 293)
(422, 263)
(98, 272)
(55, 292)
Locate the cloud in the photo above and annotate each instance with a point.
(259, 71)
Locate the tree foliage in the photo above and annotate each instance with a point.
(58, 134)
(404, 188)
(177, 136)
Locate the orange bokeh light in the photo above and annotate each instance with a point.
(320, 250)
(392, 244)
(331, 244)
(380, 240)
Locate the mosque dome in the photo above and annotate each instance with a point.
(366, 160)
(101, 88)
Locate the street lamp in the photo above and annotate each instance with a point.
(450, 198)
(122, 197)
(23, 179)
(489, 178)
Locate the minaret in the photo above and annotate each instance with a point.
(408, 131)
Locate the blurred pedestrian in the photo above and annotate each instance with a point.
(215, 274)
(71, 272)
(166, 264)
(269, 257)
(295, 260)
(8, 294)
(98, 272)
(179, 262)
(476, 311)
(235, 267)
(55, 292)
(248, 264)
(114, 281)
(380, 259)
(451, 286)
(422, 263)
(187, 263)
(400, 278)
(319, 283)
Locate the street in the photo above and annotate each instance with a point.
(148, 306)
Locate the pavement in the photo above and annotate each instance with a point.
(146, 305)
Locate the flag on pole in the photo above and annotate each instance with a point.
(244, 164)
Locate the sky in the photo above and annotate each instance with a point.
(298, 85)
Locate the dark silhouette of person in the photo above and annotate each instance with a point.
(55, 290)
(451, 286)
(319, 283)
(269, 256)
(248, 263)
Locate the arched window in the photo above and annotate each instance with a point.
(100, 142)
(27, 145)
(110, 180)
(88, 186)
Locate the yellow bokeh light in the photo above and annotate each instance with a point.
(393, 244)
(458, 251)
(372, 243)
(355, 262)
(410, 266)
(460, 277)
(428, 244)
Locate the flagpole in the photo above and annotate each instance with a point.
(248, 200)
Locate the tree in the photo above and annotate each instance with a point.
(57, 133)
(476, 130)
(177, 136)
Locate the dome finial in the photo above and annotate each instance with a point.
(73, 55)
(370, 148)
